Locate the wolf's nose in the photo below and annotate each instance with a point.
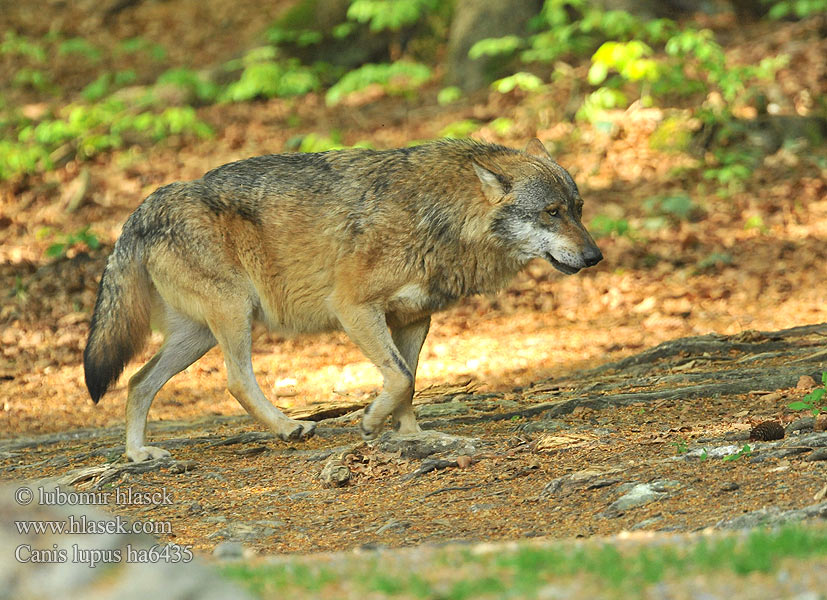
(592, 256)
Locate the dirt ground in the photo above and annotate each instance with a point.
(711, 273)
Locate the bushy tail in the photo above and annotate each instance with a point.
(120, 323)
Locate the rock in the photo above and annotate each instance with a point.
(803, 424)
(544, 425)
(646, 523)
(814, 440)
(393, 525)
(581, 480)
(228, 550)
(494, 405)
(773, 516)
(642, 494)
(182, 466)
(777, 454)
(426, 443)
(299, 496)
(335, 473)
(446, 409)
(216, 519)
(709, 453)
(820, 454)
(431, 464)
(730, 487)
(805, 383)
(239, 531)
(730, 436)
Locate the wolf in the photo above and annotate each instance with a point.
(365, 241)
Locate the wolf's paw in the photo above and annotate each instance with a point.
(406, 427)
(369, 434)
(303, 430)
(146, 453)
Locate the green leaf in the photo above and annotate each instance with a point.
(55, 250)
(598, 73)
(798, 405)
(525, 81)
(495, 46)
(815, 395)
(448, 95)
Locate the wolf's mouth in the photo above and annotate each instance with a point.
(563, 268)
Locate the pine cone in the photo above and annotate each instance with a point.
(767, 431)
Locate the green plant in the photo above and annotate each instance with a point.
(524, 81)
(20, 290)
(813, 401)
(313, 142)
(18, 45)
(88, 129)
(662, 210)
(501, 125)
(79, 46)
(601, 99)
(604, 226)
(630, 60)
(265, 75)
(396, 78)
(459, 129)
(732, 168)
(755, 222)
(527, 570)
(495, 46)
(714, 260)
(142, 45)
(301, 37)
(799, 8)
(448, 95)
(681, 446)
(201, 87)
(744, 452)
(83, 237)
(389, 14)
(35, 79)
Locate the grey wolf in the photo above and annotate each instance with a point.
(369, 242)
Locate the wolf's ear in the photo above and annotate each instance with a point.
(536, 149)
(495, 186)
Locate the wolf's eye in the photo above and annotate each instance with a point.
(553, 212)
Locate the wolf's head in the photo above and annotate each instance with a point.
(537, 208)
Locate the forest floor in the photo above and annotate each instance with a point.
(745, 259)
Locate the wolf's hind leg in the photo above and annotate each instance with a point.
(232, 329)
(409, 340)
(186, 341)
(366, 326)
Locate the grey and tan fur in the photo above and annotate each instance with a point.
(369, 242)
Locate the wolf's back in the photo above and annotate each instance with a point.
(120, 322)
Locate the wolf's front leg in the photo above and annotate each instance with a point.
(367, 327)
(409, 340)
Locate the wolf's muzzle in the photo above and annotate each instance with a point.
(592, 256)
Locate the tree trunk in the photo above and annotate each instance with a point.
(476, 20)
